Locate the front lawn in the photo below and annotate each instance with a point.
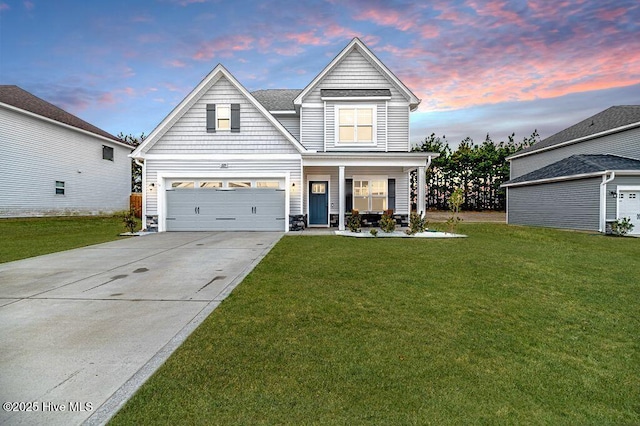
(28, 237)
(511, 325)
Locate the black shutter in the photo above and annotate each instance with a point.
(348, 195)
(211, 118)
(391, 194)
(235, 118)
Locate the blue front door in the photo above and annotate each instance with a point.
(318, 203)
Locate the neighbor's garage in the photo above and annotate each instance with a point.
(249, 205)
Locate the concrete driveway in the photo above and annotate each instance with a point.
(80, 330)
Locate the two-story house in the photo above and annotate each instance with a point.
(227, 159)
(583, 177)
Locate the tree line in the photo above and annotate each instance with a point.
(478, 170)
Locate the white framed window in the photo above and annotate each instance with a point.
(370, 194)
(319, 188)
(59, 187)
(223, 117)
(356, 124)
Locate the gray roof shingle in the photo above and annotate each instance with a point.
(277, 99)
(577, 165)
(19, 98)
(611, 118)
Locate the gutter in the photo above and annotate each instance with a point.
(603, 199)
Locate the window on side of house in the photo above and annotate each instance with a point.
(355, 125)
(59, 187)
(370, 195)
(223, 117)
(107, 153)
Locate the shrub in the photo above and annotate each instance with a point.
(129, 220)
(387, 223)
(455, 201)
(354, 221)
(417, 223)
(622, 227)
(374, 232)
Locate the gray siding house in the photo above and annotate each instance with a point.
(228, 159)
(584, 177)
(54, 163)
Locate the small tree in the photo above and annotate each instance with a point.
(417, 223)
(354, 221)
(455, 201)
(387, 223)
(129, 220)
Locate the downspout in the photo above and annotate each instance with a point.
(603, 200)
(143, 189)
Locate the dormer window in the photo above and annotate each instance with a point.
(356, 124)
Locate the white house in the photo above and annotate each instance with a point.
(584, 177)
(54, 163)
(227, 159)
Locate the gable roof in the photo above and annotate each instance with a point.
(277, 99)
(613, 119)
(206, 83)
(356, 43)
(577, 165)
(19, 98)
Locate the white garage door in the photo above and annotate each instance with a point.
(225, 209)
(629, 206)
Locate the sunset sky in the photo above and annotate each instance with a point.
(479, 66)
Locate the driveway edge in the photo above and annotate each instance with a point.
(116, 401)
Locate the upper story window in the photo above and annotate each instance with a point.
(223, 118)
(107, 153)
(355, 124)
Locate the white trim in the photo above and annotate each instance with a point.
(573, 141)
(283, 112)
(223, 157)
(364, 162)
(364, 50)
(573, 177)
(369, 179)
(324, 127)
(161, 187)
(603, 201)
(320, 178)
(199, 91)
(341, 200)
(356, 107)
(356, 98)
(386, 127)
(625, 188)
(66, 126)
(312, 105)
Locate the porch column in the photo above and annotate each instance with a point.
(421, 182)
(341, 205)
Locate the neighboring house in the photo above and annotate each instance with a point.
(227, 159)
(583, 177)
(54, 163)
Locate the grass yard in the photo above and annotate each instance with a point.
(28, 237)
(512, 325)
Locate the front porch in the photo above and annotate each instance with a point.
(371, 182)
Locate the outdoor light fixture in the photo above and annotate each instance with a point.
(614, 194)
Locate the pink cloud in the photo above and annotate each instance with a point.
(106, 99)
(387, 17)
(612, 15)
(308, 38)
(176, 63)
(4, 7)
(223, 46)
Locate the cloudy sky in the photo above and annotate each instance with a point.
(494, 66)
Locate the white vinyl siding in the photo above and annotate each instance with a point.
(189, 133)
(292, 124)
(37, 153)
(624, 144)
(355, 72)
(197, 168)
(573, 204)
(311, 128)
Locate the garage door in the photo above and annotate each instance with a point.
(245, 209)
(629, 207)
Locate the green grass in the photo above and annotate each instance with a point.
(28, 237)
(512, 325)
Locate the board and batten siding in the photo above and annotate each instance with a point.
(291, 123)
(573, 204)
(402, 184)
(235, 168)
(189, 133)
(36, 153)
(612, 202)
(625, 144)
